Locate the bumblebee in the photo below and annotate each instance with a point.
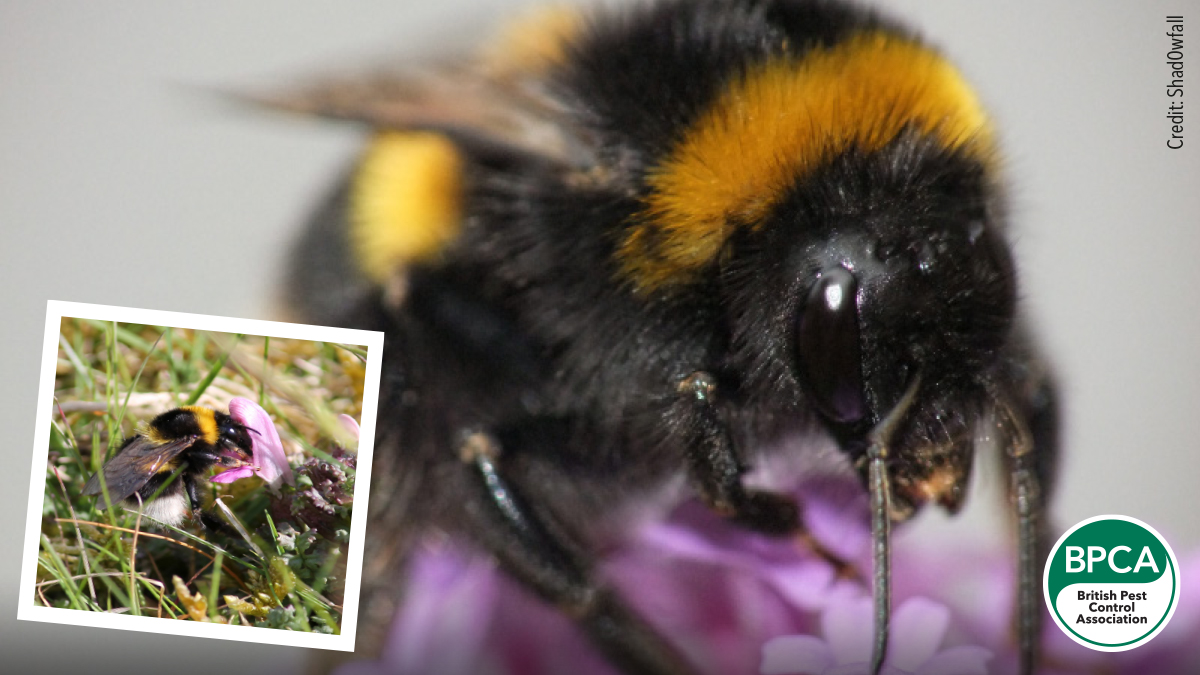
(188, 441)
(656, 241)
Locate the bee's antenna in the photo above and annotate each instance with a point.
(879, 485)
(247, 428)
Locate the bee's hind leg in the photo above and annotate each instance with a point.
(541, 556)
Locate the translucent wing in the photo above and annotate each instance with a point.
(505, 95)
(136, 463)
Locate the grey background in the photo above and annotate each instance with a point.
(122, 182)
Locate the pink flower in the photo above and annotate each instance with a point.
(444, 622)
(349, 424)
(270, 461)
(918, 628)
(713, 589)
(737, 603)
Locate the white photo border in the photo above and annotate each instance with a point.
(56, 310)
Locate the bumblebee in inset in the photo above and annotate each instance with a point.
(188, 440)
(654, 241)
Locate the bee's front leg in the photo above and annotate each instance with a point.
(1027, 421)
(716, 471)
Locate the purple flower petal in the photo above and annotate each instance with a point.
(683, 542)
(917, 629)
(446, 615)
(233, 474)
(862, 668)
(964, 660)
(695, 536)
(269, 456)
(808, 584)
(754, 590)
(721, 628)
(837, 516)
(799, 654)
(350, 425)
(847, 628)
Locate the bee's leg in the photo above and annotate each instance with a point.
(717, 473)
(207, 520)
(1028, 428)
(193, 494)
(542, 557)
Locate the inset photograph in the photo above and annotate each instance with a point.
(200, 475)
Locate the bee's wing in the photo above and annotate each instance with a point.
(471, 99)
(135, 465)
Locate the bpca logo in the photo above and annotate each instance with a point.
(1112, 583)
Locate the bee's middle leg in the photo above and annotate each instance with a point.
(543, 558)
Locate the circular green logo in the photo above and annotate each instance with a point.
(1112, 583)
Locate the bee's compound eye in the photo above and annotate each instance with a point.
(235, 436)
(828, 348)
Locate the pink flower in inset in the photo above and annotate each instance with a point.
(349, 423)
(918, 627)
(270, 461)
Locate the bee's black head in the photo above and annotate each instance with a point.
(915, 282)
(885, 267)
(233, 440)
(892, 299)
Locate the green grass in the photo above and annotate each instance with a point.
(282, 563)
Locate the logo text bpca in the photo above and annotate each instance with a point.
(1111, 583)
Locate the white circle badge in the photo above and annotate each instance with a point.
(1111, 583)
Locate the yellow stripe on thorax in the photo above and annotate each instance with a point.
(779, 123)
(534, 41)
(207, 422)
(407, 201)
(152, 435)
